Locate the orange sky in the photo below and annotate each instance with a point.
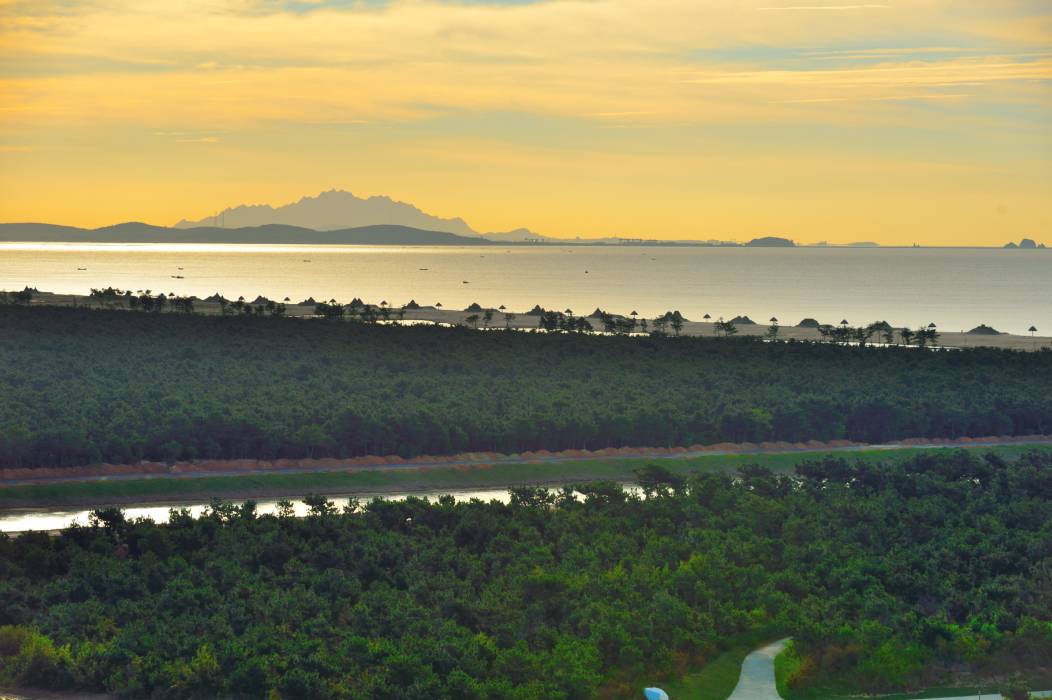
(925, 121)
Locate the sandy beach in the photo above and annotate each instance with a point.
(522, 320)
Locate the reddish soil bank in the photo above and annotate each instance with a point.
(13, 476)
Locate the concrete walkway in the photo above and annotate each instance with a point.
(756, 681)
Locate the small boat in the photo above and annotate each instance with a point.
(465, 282)
(422, 269)
(82, 268)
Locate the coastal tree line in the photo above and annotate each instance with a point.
(548, 320)
(83, 386)
(896, 576)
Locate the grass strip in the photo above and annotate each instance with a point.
(424, 479)
(788, 662)
(713, 681)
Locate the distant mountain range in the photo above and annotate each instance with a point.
(135, 232)
(340, 217)
(337, 210)
(378, 234)
(330, 211)
(336, 216)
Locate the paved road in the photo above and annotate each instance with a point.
(756, 681)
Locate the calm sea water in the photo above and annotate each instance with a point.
(955, 288)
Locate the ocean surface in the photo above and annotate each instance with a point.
(956, 288)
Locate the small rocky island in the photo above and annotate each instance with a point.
(1025, 244)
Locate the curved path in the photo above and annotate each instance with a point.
(756, 681)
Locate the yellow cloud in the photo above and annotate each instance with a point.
(425, 100)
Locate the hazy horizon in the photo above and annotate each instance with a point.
(924, 122)
(334, 210)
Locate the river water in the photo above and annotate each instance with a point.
(23, 520)
(49, 519)
(957, 288)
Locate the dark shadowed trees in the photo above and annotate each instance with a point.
(82, 386)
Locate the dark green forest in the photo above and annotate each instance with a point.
(80, 386)
(889, 576)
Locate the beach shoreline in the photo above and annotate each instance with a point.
(526, 321)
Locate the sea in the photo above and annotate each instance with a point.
(955, 288)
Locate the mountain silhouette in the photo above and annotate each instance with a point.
(135, 232)
(332, 210)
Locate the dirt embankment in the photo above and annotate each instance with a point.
(92, 472)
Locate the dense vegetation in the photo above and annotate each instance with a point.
(80, 386)
(887, 576)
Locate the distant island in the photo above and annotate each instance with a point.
(1025, 244)
(770, 242)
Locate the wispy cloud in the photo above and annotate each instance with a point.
(869, 6)
(631, 113)
(881, 98)
(934, 74)
(309, 87)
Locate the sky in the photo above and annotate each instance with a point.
(895, 121)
